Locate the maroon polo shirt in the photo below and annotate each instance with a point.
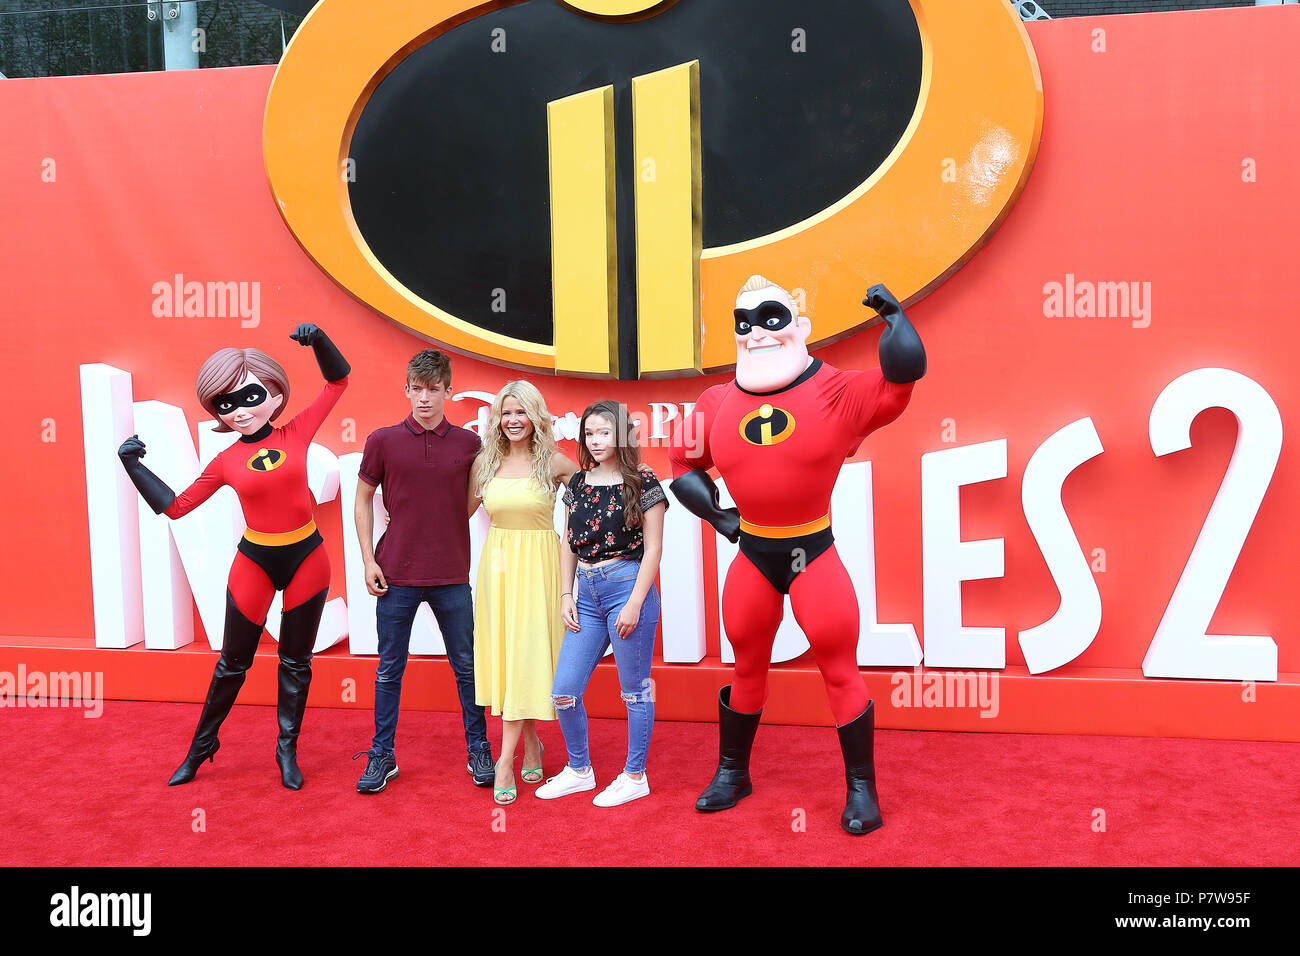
(425, 476)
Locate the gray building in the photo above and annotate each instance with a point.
(1093, 8)
(70, 37)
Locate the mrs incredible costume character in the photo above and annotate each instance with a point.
(779, 434)
(280, 551)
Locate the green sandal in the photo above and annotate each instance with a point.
(534, 774)
(503, 795)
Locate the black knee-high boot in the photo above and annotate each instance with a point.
(297, 637)
(238, 645)
(861, 807)
(735, 740)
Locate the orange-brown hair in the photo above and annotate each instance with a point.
(226, 368)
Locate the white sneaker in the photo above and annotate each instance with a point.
(623, 790)
(567, 781)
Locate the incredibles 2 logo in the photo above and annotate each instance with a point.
(579, 188)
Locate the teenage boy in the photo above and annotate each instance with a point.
(423, 464)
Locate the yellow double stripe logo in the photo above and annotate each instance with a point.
(584, 243)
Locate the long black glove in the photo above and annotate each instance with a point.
(331, 361)
(699, 495)
(902, 356)
(152, 489)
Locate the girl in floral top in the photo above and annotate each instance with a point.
(615, 514)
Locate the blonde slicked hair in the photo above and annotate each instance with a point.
(756, 282)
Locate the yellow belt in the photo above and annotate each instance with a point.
(282, 538)
(786, 531)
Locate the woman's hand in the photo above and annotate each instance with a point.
(569, 613)
(133, 447)
(628, 618)
(333, 366)
(304, 334)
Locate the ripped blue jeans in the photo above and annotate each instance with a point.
(600, 594)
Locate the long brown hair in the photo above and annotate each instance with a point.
(226, 368)
(629, 454)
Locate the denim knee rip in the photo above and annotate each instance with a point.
(564, 702)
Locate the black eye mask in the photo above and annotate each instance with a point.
(769, 316)
(249, 396)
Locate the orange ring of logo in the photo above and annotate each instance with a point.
(980, 117)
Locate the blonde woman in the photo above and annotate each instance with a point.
(517, 626)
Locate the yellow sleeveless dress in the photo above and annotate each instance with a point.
(517, 626)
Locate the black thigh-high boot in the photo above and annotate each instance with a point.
(735, 740)
(238, 645)
(298, 627)
(861, 807)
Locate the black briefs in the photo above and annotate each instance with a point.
(280, 561)
(780, 559)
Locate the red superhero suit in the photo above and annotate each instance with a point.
(780, 454)
(780, 451)
(281, 550)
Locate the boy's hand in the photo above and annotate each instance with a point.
(375, 582)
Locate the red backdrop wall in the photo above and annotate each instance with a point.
(1139, 178)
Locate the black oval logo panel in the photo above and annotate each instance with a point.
(799, 103)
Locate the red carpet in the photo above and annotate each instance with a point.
(80, 792)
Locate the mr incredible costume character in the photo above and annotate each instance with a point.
(779, 434)
(281, 550)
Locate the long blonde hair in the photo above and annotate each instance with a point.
(496, 444)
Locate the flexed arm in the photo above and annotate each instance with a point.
(902, 356)
(156, 492)
(333, 366)
(153, 490)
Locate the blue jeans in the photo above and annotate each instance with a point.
(453, 608)
(600, 594)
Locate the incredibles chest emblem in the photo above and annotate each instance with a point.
(267, 459)
(767, 425)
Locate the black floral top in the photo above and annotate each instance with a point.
(596, 529)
